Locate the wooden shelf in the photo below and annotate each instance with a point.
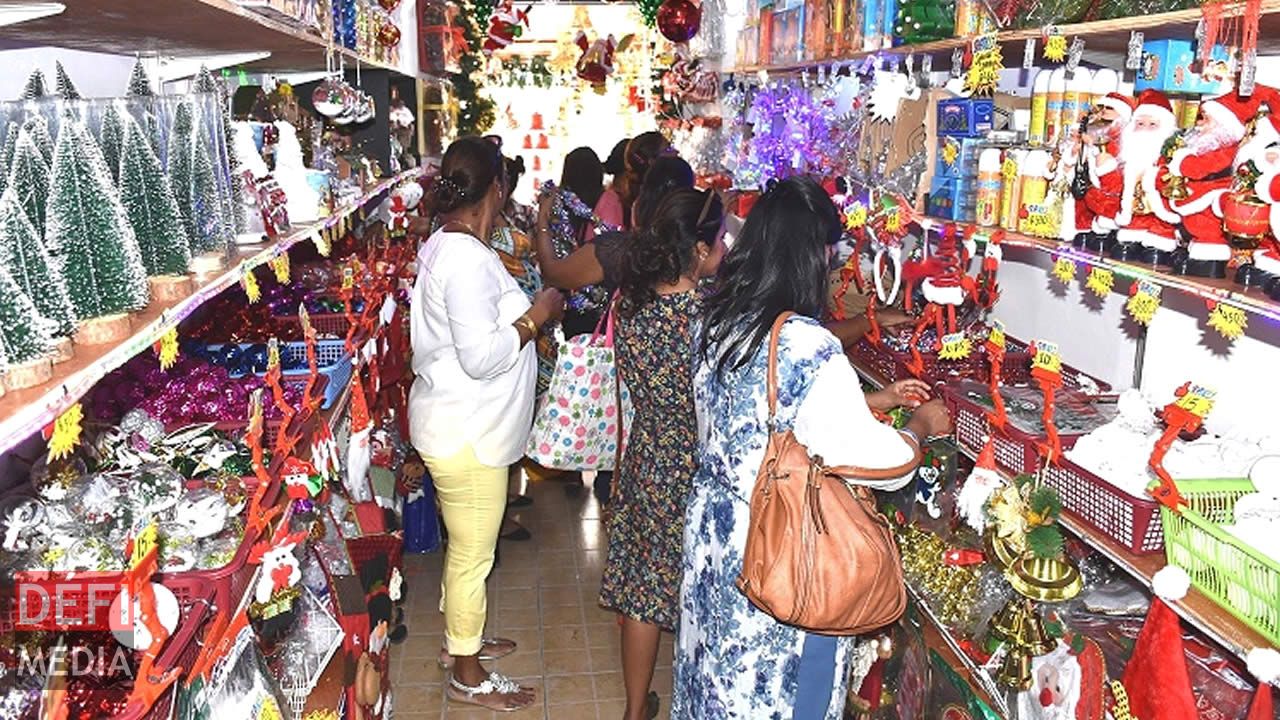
(24, 412)
(1225, 290)
(1108, 36)
(181, 28)
(1203, 613)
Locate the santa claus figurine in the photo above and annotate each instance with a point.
(1264, 161)
(1146, 225)
(596, 63)
(504, 26)
(1096, 212)
(1197, 176)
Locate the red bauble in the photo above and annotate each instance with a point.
(389, 5)
(389, 34)
(679, 20)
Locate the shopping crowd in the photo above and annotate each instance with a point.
(692, 310)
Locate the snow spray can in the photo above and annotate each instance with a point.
(1039, 107)
(1034, 181)
(1053, 108)
(989, 191)
(1011, 186)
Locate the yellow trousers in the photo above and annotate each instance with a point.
(472, 497)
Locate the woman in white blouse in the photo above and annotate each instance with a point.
(471, 406)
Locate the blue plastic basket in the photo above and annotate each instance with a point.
(332, 359)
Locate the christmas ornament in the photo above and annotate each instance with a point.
(389, 5)
(596, 63)
(388, 34)
(679, 20)
(504, 26)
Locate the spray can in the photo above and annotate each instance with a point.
(1034, 179)
(987, 213)
(1075, 102)
(1105, 81)
(1011, 187)
(1039, 108)
(1053, 108)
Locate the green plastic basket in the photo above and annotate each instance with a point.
(1236, 576)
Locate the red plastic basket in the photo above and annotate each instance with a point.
(196, 597)
(367, 546)
(1130, 521)
(1015, 450)
(893, 365)
(325, 324)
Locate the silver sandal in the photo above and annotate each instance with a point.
(495, 684)
(445, 660)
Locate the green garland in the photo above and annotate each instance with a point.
(649, 11)
(521, 73)
(475, 111)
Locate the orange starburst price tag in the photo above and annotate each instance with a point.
(1100, 281)
(855, 216)
(955, 346)
(1064, 269)
(1144, 302)
(167, 348)
(65, 432)
(1055, 44)
(1197, 400)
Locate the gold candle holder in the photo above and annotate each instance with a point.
(1044, 579)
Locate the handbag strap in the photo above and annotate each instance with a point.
(844, 471)
(606, 321)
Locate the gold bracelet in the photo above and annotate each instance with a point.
(527, 323)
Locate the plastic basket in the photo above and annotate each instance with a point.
(1133, 522)
(1236, 576)
(362, 548)
(196, 597)
(1016, 450)
(332, 360)
(331, 324)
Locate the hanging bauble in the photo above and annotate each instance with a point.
(678, 20)
(389, 34)
(389, 5)
(327, 98)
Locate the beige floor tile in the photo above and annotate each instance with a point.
(561, 616)
(523, 577)
(572, 711)
(596, 615)
(558, 559)
(527, 640)
(609, 686)
(422, 699)
(606, 658)
(606, 634)
(565, 662)
(565, 638)
(563, 689)
(521, 663)
(662, 681)
(525, 599)
(557, 595)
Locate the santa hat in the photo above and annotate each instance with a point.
(1154, 103)
(1122, 104)
(1156, 676)
(1233, 111)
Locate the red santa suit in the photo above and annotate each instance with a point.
(1096, 213)
(1267, 187)
(1146, 224)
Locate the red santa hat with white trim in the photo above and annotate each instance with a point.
(1121, 103)
(1234, 111)
(1156, 676)
(1153, 102)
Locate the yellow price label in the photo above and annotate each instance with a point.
(950, 152)
(955, 347)
(144, 543)
(348, 277)
(65, 433)
(1144, 302)
(997, 335)
(893, 222)
(249, 282)
(273, 353)
(268, 709)
(167, 348)
(1064, 269)
(280, 266)
(321, 241)
(1229, 320)
(304, 318)
(1039, 222)
(1100, 281)
(1047, 357)
(1197, 400)
(855, 216)
(1055, 48)
(1009, 171)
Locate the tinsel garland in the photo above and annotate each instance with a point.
(564, 207)
(475, 109)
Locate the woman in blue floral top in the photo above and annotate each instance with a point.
(733, 660)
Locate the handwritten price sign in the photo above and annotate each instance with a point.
(955, 347)
(1229, 320)
(1047, 357)
(1100, 281)
(1197, 400)
(1144, 302)
(996, 338)
(1064, 269)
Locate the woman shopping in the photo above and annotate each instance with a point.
(658, 304)
(473, 332)
(734, 660)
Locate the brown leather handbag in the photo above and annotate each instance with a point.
(819, 555)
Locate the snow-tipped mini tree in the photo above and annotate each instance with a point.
(149, 202)
(233, 199)
(139, 83)
(38, 128)
(29, 181)
(66, 88)
(36, 87)
(24, 256)
(194, 185)
(25, 334)
(140, 87)
(88, 229)
(6, 151)
(111, 139)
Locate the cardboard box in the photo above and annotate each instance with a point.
(788, 36)
(965, 117)
(1167, 66)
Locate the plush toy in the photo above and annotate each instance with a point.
(596, 63)
(504, 26)
(1067, 683)
(274, 607)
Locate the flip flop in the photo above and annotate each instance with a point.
(487, 694)
(497, 648)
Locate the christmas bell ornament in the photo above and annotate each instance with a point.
(1044, 579)
(679, 20)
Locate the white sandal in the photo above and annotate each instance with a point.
(495, 684)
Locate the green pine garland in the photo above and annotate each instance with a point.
(475, 110)
(153, 212)
(29, 181)
(649, 11)
(24, 256)
(25, 334)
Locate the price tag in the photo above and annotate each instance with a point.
(1100, 281)
(1197, 400)
(950, 151)
(249, 282)
(348, 277)
(64, 434)
(304, 318)
(167, 348)
(1047, 357)
(1055, 44)
(280, 266)
(321, 241)
(273, 354)
(144, 543)
(1064, 269)
(955, 347)
(893, 223)
(1229, 320)
(996, 338)
(1144, 302)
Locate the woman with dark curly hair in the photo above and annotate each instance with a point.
(661, 266)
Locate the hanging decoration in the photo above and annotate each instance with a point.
(1055, 44)
(984, 72)
(679, 20)
(1243, 34)
(504, 26)
(709, 42)
(596, 63)
(649, 11)
(475, 109)
(389, 5)
(688, 81)
(388, 34)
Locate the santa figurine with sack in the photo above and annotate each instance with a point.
(1146, 225)
(504, 26)
(1261, 162)
(596, 63)
(1096, 213)
(1199, 173)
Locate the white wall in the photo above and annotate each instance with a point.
(94, 74)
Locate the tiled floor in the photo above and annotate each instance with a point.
(543, 596)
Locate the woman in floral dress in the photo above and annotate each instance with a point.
(660, 271)
(733, 660)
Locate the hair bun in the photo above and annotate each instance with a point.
(449, 194)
